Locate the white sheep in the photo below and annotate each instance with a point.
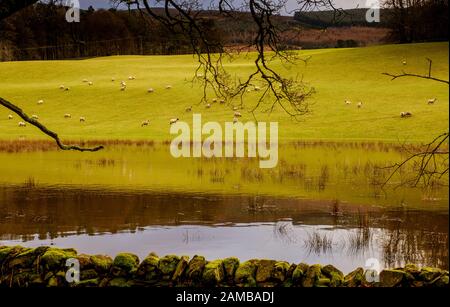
(432, 101)
(10, 117)
(90, 83)
(82, 119)
(35, 117)
(348, 102)
(237, 114)
(22, 124)
(405, 114)
(189, 109)
(131, 77)
(174, 121)
(257, 88)
(360, 104)
(122, 83)
(168, 87)
(67, 115)
(208, 106)
(123, 88)
(62, 87)
(222, 101)
(150, 90)
(214, 100)
(404, 62)
(235, 108)
(145, 123)
(67, 89)
(40, 102)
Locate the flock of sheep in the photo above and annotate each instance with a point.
(145, 123)
(402, 114)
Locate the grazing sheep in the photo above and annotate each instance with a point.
(62, 87)
(360, 104)
(404, 62)
(257, 88)
(22, 124)
(150, 90)
(122, 83)
(131, 77)
(35, 117)
(123, 88)
(40, 101)
(174, 121)
(10, 116)
(249, 90)
(208, 106)
(405, 114)
(432, 101)
(90, 83)
(67, 115)
(235, 120)
(189, 109)
(348, 102)
(235, 108)
(222, 101)
(145, 123)
(82, 119)
(67, 89)
(168, 87)
(237, 114)
(214, 100)
(85, 80)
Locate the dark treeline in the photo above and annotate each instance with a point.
(40, 32)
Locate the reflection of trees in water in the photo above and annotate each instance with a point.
(402, 246)
(317, 243)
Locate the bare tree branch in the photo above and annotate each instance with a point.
(428, 76)
(44, 129)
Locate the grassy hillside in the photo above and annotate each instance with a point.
(337, 75)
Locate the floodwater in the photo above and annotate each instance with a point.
(321, 205)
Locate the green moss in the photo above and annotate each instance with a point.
(246, 274)
(101, 263)
(336, 277)
(313, 274)
(280, 271)
(354, 278)
(55, 258)
(181, 268)
(230, 265)
(429, 274)
(148, 270)
(126, 262)
(88, 283)
(9, 251)
(214, 272)
(264, 270)
(195, 269)
(299, 272)
(168, 264)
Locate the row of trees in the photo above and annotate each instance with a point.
(41, 32)
(418, 20)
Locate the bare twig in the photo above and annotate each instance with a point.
(44, 129)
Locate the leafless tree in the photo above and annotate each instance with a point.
(185, 17)
(430, 162)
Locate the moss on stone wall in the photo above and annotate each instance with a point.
(46, 267)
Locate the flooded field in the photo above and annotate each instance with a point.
(322, 204)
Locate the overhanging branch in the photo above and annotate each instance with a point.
(44, 129)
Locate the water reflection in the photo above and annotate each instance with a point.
(292, 229)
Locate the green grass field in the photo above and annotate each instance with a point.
(337, 75)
